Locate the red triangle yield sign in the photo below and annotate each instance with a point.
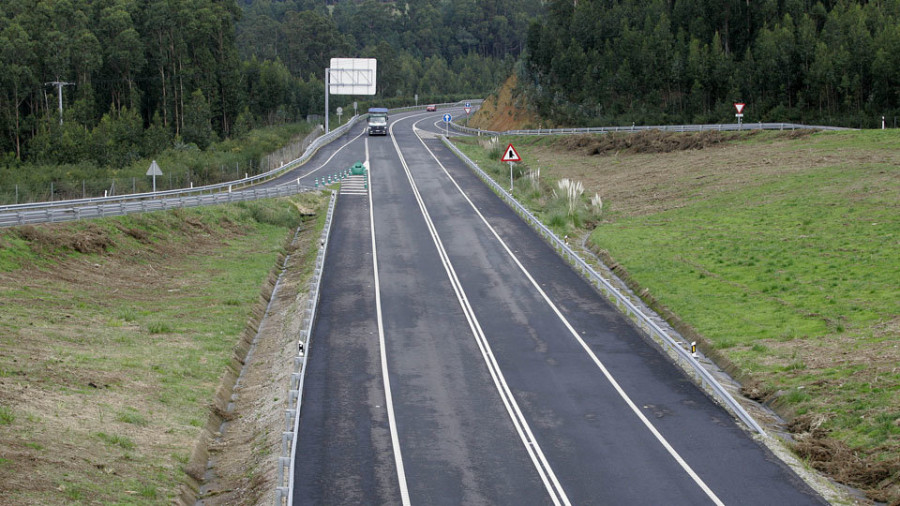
(510, 155)
(740, 107)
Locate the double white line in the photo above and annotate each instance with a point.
(593, 356)
(548, 477)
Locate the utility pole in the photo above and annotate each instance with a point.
(59, 85)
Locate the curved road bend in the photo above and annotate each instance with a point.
(510, 380)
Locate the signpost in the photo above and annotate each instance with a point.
(511, 156)
(154, 171)
(447, 119)
(739, 107)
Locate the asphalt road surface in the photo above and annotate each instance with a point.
(456, 359)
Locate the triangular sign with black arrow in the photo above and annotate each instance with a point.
(511, 155)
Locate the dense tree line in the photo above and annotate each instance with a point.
(423, 47)
(138, 76)
(127, 65)
(687, 61)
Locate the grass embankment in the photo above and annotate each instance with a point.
(779, 250)
(182, 166)
(114, 335)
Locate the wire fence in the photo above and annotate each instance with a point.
(24, 193)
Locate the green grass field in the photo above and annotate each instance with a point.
(110, 360)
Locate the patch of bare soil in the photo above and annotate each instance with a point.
(504, 111)
(91, 240)
(879, 477)
(647, 141)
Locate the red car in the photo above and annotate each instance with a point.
(430, 108)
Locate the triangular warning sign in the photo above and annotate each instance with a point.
(740, 107)
(154, 169)
(510, 155)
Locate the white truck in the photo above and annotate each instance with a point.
(378, 120)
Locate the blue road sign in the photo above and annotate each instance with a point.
(447, 118)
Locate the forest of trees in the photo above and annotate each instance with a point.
(602, 62)
(143, 75)
(139, 76)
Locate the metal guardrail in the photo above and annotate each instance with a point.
(67, 210)
(721, 127)
(284, 487)
(460, 103)
(706, 379)
(60, 214)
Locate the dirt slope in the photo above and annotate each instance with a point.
(505, 111)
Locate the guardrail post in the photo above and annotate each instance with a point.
(286, 439)
(283, 462)
(281, 496)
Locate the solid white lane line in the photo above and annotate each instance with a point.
(317, 169)
(389, 399)
(660, 438)
(548, 477)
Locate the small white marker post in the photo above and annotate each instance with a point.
(694, 349)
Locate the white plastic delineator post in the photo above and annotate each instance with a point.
(694, 349)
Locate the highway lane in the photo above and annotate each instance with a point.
(512, 381)
(452, 427)
(735, 468)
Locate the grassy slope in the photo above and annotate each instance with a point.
(782, 254)
(109, 359)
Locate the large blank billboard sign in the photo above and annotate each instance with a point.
(352, 76)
